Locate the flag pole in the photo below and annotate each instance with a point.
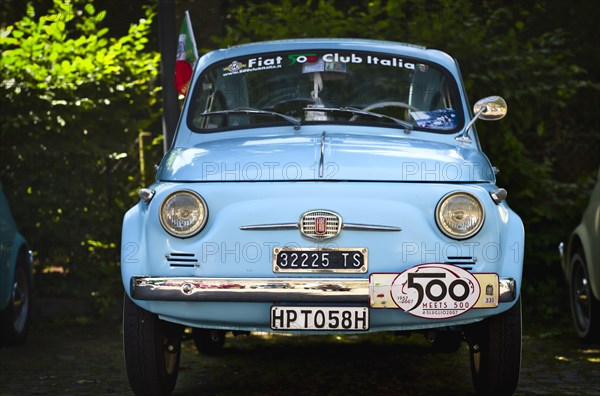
(168, 50)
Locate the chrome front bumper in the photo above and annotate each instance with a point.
(267, 290)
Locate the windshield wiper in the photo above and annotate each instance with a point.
(354, 111)
(248, 110)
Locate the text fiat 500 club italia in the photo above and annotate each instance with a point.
(324, 186)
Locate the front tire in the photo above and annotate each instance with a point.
(14, 319)
(152, 350)
(495, 350)
(584, 306)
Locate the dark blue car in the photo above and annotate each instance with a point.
(15, 279)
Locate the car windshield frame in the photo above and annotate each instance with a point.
(258, 86)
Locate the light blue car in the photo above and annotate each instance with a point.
(324, 186)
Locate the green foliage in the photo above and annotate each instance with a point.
(507, 48)
(73, 103)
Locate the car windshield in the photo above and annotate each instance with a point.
(308, 87)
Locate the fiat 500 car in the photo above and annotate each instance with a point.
(324, 186)
(15, 279)
(580, 261)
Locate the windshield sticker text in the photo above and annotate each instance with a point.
(302, 58)
(356, 59)
(252, 64)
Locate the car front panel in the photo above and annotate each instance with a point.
(248, 221)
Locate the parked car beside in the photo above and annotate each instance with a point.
(580, 262)
(325, 186)
(15, 279)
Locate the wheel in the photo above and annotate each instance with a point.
(209, 342)
(584, 306)
(495, 351)
(152, 350)
(14, 319)
(447, 341)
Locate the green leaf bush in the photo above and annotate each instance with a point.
(74, 100)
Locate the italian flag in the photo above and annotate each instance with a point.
(187, 54)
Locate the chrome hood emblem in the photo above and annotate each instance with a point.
(320, 224)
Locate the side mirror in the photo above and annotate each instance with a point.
(491, 108)
(494, 108)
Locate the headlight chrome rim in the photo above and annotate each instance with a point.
(443, 224)
(197, 225)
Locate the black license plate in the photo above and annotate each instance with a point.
(320, 260)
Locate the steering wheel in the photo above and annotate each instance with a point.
(379, 105)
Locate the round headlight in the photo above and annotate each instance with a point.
(459, 215)
(183, 214)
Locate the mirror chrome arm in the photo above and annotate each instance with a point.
(465, 136)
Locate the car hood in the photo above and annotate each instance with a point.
(329, 156)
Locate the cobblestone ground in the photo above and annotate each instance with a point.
(86, 359)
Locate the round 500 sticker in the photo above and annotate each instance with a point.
(435, 291)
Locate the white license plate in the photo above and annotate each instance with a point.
(320, 318)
